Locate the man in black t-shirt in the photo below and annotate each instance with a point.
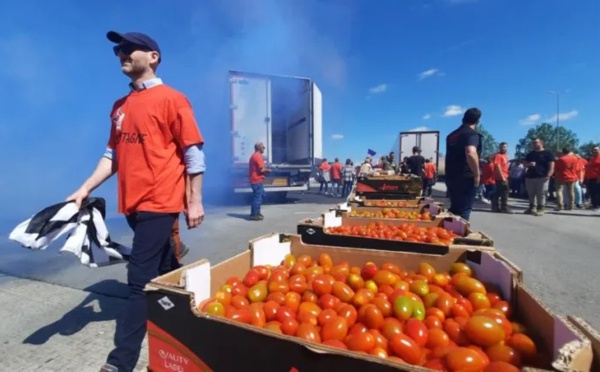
(416, 162)
(540, 167)
(463, 148)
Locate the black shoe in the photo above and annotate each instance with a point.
(506, 210)
(109, 368)
(255, 218)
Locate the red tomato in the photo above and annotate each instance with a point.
(335, 329)
(309, 307)
(416, 330)
(325, 260)
(504, 353)
(241, 315)
(357, 328)
(321, 285)
(349, 313)
(380, 340)
(391, 327)
(270, 309)
(437, 337)
(432, 322)
(289, 326)
(404, 347)
(342, 291)
(493, 297)
(239, 302)
(297, 283)
(308, 332)
(464, 359)
(373, 318)
(484, 331)
(257, 315)
(328, 301)
(524, 346)
(504, 307)
(379, 352)
(456, 332)
(292, 300)
(326, 315)
(363, 341)
(276, 297)
(384, 306)
(252, 277)
(284, 312)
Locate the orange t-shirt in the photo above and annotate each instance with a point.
(502, 161)
(582, 165)
(336, 171)
(257, 163)
(429, 169)
(567, 168)
(325, 166)
(150, 129)
(487, 174)
(592, 168)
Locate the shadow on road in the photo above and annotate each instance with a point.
(242, 216)
(84, 313)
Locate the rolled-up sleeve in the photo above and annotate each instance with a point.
(194, 159)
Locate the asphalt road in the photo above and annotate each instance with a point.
(58, 315)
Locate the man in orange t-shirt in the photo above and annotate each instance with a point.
(592, 179)
(155, 148)
(324, 175)
(500, 196)
(487, 177)
(336, 177)
(567, 172)
(257, 174)
(428, 177)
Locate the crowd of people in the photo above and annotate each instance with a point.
(573, 179)
(336, 180)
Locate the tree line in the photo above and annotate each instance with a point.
(554, 139)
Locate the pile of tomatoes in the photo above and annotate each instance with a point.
(393, 213)
(408, 232)
(446, 321)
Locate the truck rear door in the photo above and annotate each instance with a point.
(250, 105)
(428, 142)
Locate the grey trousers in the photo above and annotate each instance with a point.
(536, 190)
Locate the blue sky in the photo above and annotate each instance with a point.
(383, 66)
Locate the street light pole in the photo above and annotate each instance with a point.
(557, 118)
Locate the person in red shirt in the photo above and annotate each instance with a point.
(257, 173)
(567, 172)
(324, 175)
(336, 177)
(500, 196)
(592, 178)
(487, 178)
(155, 148)
(428, 177)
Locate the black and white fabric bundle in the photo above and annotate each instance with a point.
(88, 236)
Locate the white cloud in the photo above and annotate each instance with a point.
(531, 119)
(453, 110)
(418, 129)
(430, 73)
(337, 136)
(563, 116)
(378, 89)
(426, 116)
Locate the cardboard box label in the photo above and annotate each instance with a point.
(169, 355)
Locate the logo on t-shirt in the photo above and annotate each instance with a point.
(118, 118)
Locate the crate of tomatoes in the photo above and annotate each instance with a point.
(425, 212)
(401, 186)
(436, 236)
(284, 305)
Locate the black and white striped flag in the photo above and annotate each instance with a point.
(88, 236)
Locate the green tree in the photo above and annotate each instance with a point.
(489, 145)
(586, 148)
(554, 139)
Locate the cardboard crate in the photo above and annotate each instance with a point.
(181, 338)
(375, 199)
(313, 231)
(593, 335)
(399, 185)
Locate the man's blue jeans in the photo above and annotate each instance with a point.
(462, 193)
(151, 255)
(259, 193)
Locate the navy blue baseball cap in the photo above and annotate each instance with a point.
(136, 38)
